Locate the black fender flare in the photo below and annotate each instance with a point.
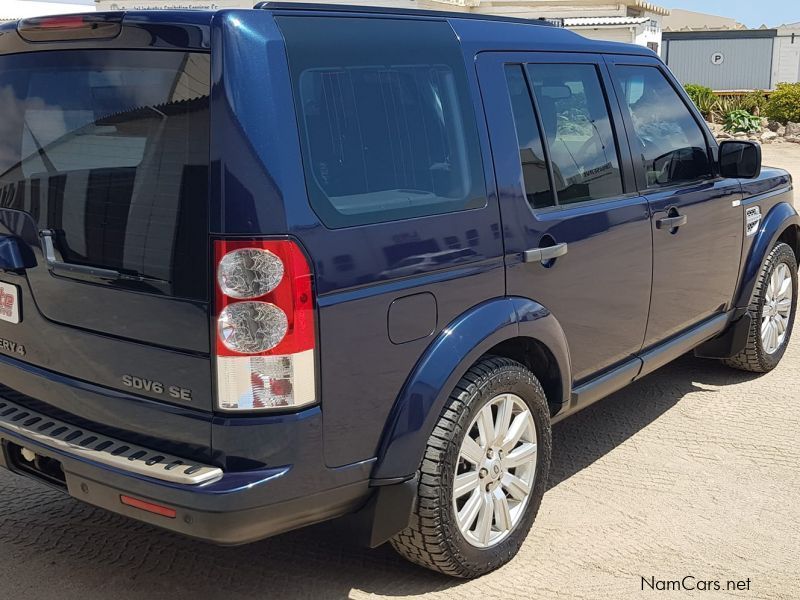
(781, 216)
(459, 345)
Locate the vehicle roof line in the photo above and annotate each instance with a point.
(415, 12)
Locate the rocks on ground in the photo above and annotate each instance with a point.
(771, 132)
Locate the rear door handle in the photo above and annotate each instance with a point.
(672, 222)
(544, 254)
(78, 271)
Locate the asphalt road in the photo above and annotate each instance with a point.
(691, 472)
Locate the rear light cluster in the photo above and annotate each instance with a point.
(265, 326)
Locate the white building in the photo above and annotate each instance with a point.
(786, 55)
(645, 31)
(11, 10)
(631, 21)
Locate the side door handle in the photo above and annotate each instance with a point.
(672, 222)
(544, 254)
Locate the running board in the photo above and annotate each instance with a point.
(634, 369)
(681, 344)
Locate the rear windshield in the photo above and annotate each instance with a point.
(110, 151)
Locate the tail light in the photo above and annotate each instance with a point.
(71, 27)
(264, 326)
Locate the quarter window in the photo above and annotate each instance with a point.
(667, 139)
(578, 130)
(386, 120)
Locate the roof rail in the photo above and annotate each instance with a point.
(312, 6)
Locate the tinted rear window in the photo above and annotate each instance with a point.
(110, 150)
(386, 122)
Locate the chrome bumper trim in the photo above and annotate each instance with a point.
(102, 449)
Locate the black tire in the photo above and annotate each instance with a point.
(754, 357)
(433, 538)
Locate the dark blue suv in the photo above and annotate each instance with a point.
(263, 268)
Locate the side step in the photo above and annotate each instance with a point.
(101, 448)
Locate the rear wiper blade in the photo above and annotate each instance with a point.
(48, 164)
(85, 272)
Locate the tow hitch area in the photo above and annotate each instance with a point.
(25, 461)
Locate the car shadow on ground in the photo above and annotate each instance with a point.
(581, 439)
(323, 561)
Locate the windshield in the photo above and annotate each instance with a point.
(109, 150)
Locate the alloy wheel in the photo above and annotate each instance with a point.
(777, 309)
(496, 471)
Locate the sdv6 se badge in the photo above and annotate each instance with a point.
(156, 387)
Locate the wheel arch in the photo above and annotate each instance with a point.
(539, 359)
(502, 326)
(791, 237)
(781, 224)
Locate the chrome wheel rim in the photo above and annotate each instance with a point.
(496, 471)
(777, 309)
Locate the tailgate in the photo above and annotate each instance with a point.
(104, 158)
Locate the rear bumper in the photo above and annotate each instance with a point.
(228, 511)
(265, 475)
(268, 472)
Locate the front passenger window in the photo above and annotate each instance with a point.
(667, 138)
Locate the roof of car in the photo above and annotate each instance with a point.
(477, 32)
(312, 6)
(480, 31)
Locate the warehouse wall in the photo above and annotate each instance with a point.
(786, 67)
(747, 62)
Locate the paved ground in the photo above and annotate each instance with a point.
(690, 472)
(785, 155)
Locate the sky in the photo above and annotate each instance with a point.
(752, 13)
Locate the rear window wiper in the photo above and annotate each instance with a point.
(48, 164)
(85, 272)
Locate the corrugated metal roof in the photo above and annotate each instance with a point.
(601, 21)
(654, 8)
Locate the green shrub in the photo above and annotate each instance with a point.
(784, 103)
(741, 120)
(755, 102)
(703, 98)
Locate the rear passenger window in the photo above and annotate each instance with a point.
(387, 127)
(578, 130)
(531, 154)
(667, 138)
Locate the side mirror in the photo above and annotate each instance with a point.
(740, 159)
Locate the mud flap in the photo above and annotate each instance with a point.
(386, 513)
(729, 343)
